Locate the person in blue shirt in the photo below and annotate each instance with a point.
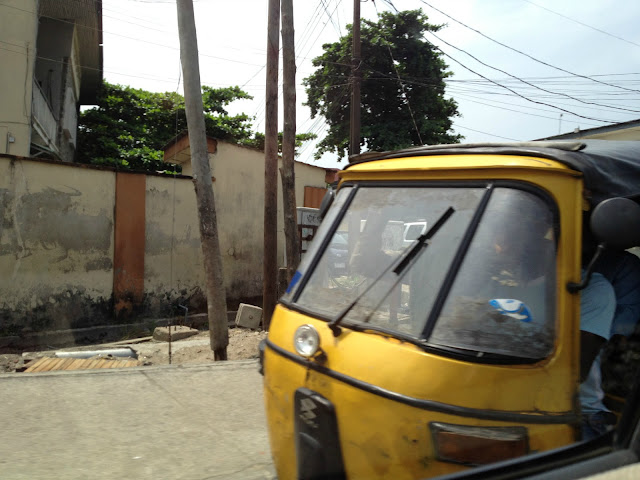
(610, 306)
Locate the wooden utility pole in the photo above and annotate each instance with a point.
(354, 142)
(216, 296)
(270, 265)
(289, 140)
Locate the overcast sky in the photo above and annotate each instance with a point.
(591, 49)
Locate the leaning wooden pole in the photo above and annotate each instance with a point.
(289, 140)
(216, 296)
(270, 262)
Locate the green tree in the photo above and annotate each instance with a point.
(129, 127)
(391, 48)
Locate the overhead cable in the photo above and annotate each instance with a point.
(526, 54)
(529, 83)
(517, 93)
(583, 24)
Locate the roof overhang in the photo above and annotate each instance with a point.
(87, 17)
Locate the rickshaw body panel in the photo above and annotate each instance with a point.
(386, 391)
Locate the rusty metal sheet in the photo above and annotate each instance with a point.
(47, 364)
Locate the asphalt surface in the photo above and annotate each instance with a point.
(168, 422)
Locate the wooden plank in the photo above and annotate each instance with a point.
(54, 364)
(42, 365)
(33, 365)
(47, 364)
(91, 363)
(65, 364)
(75, 364)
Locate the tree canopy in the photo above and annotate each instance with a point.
(402, 90)
(129, 127)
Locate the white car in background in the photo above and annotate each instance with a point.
(413, 230)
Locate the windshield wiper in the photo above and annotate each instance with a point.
(397, 266)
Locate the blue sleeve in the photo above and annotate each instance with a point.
(597, 307)
(626, 285)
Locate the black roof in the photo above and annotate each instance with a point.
(610, 168)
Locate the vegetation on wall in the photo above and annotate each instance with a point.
(129, 127)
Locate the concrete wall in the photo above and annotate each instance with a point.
(238, 185)
(173, 267)
(18, 31)
(56, 246)
(239, 195)
(83, 246)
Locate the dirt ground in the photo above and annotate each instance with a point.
(243, 344)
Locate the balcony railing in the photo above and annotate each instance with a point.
(43, 120)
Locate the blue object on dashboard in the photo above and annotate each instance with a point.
(512, 308)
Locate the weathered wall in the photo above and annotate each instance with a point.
(174, 273)
(18, 36)
(56, 246)
(239, 197)
(82, 246)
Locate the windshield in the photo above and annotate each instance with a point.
(497, 298)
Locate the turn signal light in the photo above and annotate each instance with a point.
(470, 445)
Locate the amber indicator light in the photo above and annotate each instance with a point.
(471, 445)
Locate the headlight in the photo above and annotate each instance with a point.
(306, 341)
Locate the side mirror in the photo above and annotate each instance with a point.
(327, 200)
(616, 223)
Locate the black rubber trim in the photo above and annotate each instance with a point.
(561, 419)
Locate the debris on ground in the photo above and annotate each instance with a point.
(173, 333)
(195, 349)
(10, 362)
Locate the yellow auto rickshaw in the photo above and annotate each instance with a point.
(389, 358)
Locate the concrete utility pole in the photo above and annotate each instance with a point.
(270, 265)
(216, 296)
(289, 140)
(354, 142)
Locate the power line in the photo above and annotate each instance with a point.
(484, 133)
(458, 88)
(127, 37)
(516, 93)
(326, 10)
(112, 72)
(525, 54)
(517, 111)
(583, 24)
(529, 83)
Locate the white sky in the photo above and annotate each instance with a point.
(594, 38)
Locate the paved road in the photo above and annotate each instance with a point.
(169, 422)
